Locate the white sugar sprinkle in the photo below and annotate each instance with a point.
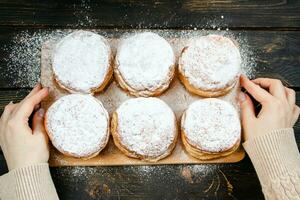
(24, 55)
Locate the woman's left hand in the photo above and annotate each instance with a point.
(21, 145)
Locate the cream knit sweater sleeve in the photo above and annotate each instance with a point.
(28, 183)
(276, 159)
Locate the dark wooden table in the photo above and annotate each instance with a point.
(272, 31)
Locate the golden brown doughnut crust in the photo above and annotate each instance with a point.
(205, 155)
(204, 93)
(132, 154)
(142, 93)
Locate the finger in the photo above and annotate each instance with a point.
(258, 93)
(274, 86)
(247, 109)
(36, 107)
(8, 109)
(26, 108)
(36, 88)
(291, 96)
(38, 124)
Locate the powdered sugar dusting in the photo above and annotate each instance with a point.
(212, 125)
(210, 62)
(24, 51)
(146, 126)
(81, 61)
(24, 55)
(145, 61)
(176, 97)
(83, 12)
(78, 124)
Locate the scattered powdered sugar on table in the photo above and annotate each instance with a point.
(76, 173)
(145, 61)
(146, 126)
(210, 62)
(212, 125)
(24, 56)
(83, 14)
(248, 67)
(77, 124)
(81, 61)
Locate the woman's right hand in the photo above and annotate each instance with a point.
(278, 111)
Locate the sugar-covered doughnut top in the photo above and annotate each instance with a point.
(211, 125)
(81, 61)
(77, 124)
(210, 62)
(146, 126)
(145, 61)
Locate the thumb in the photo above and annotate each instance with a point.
(247, 109)
(38, 123)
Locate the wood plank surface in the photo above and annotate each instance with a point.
(208, 181)
(269, 28)
(151, 14)
(276, 54)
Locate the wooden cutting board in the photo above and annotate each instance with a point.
(176, 97)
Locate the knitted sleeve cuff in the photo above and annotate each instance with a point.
(31, 182)
(274, 154)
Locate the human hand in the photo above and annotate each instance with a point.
(21, 145)
(278, 106)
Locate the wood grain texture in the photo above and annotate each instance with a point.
(276, 54)
(151, 14)
(208, 181)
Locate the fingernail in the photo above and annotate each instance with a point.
(37, 85)
(242, 97)
(36, 107)
(41, 112)
(11, 102)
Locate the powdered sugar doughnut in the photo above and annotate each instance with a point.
(78, 125)
(210, 65)
(144, 64)
(82, 62)
(144, 128)
(210, 128)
